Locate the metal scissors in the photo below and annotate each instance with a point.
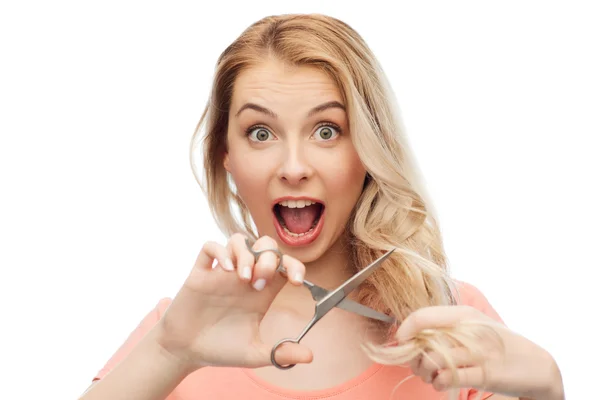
(327, 300)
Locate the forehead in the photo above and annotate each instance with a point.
(275, 83)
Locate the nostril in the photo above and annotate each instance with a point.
(293, 171)
(292, 179)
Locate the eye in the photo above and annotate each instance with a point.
(327, 132)
(259, 134)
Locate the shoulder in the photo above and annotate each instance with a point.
(154, 315)
(143, 327)
(469, 295)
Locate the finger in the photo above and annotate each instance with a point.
(432, 362)
(295, 269)
(466, 378)
(289, 353)
(415, 363)
(242, 257)
(433, 317)
(267, 262)
(210, 252)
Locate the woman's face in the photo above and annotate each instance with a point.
(291, 156)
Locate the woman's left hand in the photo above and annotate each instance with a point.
(514, 366)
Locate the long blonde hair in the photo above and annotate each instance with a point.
(392, 210)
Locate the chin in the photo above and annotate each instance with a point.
(319, 245)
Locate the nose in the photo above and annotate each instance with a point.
(295, 167)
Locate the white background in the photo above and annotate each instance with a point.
(101, 217)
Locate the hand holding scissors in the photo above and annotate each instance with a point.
(214, 320)
(327, 300)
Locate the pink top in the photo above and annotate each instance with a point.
(377, 382)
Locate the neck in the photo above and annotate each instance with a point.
(332, 268)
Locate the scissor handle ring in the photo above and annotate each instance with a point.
(257, 254)
(278, 344)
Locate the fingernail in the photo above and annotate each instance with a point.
(298, 277)
(259, 284)
(247, 273)
(228, 265)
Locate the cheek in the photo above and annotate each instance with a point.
(249, 175)
(346, 175)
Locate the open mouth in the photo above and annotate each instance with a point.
(298, 221)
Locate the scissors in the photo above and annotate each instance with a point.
(327, 300)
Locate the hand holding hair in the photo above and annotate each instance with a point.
(454, 347)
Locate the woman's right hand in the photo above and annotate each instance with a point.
(214, 318)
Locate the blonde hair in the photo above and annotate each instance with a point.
(392, 210)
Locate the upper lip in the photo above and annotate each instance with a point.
(280, 199)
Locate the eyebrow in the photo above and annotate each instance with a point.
(313, 111)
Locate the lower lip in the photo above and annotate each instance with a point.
(299, 240)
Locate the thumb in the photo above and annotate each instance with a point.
(286, 354)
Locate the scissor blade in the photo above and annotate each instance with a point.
(365, 311)
(319, 293)
(363, 274)
(336, 296)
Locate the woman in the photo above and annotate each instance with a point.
(302, 153)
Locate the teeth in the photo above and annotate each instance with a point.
(296, 234)
(296, 203)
